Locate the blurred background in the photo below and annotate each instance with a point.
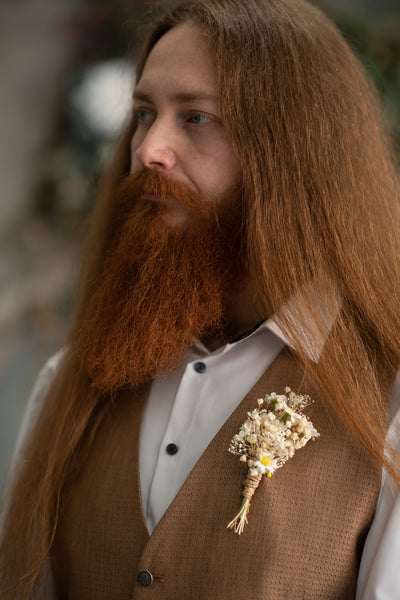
(64, 96)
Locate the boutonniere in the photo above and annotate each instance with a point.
(267, 439)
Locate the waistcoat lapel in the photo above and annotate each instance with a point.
(307, 524)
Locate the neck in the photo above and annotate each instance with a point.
(242, 314)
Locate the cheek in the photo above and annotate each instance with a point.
(235, 170)
(134, 146)
(133, 159)
(216, 172)
(234, 167)
(228, 168)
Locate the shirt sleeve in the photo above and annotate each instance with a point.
(34, 405)
(45, 587)
(379, 575)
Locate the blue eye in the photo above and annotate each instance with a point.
(144, 116)
(199, 119)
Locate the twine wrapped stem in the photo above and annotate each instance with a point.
(249, 487)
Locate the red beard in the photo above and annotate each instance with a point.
(162, 288)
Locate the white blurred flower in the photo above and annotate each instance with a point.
(104, 97)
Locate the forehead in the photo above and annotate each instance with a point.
(182, 59)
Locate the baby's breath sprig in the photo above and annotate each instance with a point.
(267, 439)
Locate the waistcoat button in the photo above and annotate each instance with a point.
(145, 578)
(200, 367)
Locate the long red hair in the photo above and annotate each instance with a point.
(322, 208)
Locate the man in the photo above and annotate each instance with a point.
(246, 239)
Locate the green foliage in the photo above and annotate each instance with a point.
(374, 35)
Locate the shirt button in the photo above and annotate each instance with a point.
(172, 449)
(200, 367)
(145, 578)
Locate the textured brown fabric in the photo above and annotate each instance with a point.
(306, 530)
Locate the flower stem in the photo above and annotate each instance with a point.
(250, 486)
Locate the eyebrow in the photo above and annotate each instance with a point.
(181, 97)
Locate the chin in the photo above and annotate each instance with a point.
(176, 219)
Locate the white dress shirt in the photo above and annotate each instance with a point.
(187, 409)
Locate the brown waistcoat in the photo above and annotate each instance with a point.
(306, 529)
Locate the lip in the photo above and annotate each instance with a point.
(153, 198)
(158, 199)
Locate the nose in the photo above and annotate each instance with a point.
(157, 149)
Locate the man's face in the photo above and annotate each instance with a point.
(175, 252)
(179, 130)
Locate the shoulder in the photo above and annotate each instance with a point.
(394, 415)
(35, 402)
(44, 380)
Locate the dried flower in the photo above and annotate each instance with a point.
(267, 439)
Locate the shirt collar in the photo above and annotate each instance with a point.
(310, 343)
(311, 338)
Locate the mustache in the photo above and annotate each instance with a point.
(155, 188)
